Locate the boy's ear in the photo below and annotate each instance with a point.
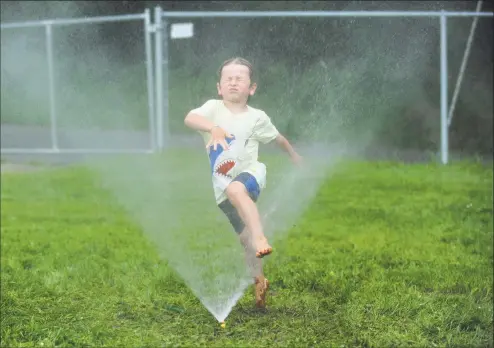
(218, 88)
(253, 88)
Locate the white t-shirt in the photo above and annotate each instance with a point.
(248, 128)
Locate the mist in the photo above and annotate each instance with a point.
(334, 107)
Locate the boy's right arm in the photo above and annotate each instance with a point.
(202, 118)
(200, 123)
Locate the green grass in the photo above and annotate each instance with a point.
(386, 255)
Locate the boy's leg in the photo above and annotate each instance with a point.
(254, 264)
(239, 197)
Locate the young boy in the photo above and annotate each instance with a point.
(232, 131)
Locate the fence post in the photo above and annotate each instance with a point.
(165, 71)
(444, 88)
(51, 82)
(158, 54)
(161, 61)
(150, 83)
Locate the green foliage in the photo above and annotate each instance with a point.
(386, 255)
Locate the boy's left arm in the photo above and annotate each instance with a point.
(266, 132)
(288, 148)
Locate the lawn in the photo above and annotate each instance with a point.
(386, 254)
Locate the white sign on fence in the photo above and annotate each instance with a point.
(182, 30)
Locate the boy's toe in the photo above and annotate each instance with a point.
(264, 252)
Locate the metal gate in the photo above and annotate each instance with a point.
(82, 108)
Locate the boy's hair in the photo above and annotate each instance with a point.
(237, 60)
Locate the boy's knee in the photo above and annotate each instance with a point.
(236, 191)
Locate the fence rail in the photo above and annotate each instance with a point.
(250, 14)
(69, 21)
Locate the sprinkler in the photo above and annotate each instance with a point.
(222, 324)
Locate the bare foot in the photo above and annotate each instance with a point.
(262, 246)
(261, 289)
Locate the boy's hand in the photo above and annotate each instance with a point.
(218, 137)
(285, 145)
(297, 159)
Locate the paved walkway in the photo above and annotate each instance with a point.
(30, 137)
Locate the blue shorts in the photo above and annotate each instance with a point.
(230, 211)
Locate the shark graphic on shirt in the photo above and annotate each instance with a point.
(222, 162)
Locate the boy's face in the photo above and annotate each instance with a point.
(235, 85)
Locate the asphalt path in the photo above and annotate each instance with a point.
(34, 138)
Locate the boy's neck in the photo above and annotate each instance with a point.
(235, 108)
